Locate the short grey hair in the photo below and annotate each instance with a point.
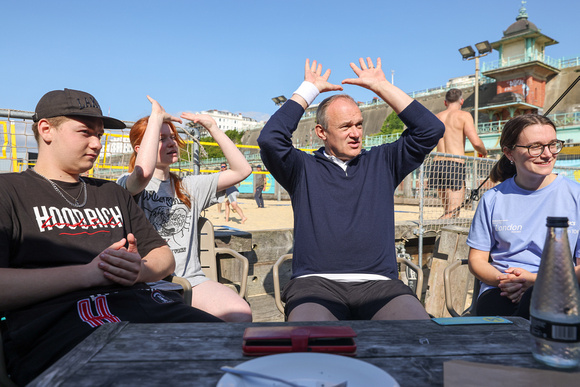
(321, 118)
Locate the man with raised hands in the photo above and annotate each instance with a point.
(344, 259)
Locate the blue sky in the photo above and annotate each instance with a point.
(237, 55)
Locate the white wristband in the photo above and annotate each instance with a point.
(308, 91)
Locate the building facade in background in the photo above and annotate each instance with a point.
(230, 121)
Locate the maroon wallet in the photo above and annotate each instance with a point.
(259, 341)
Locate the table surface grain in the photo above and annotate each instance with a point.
(413, 352)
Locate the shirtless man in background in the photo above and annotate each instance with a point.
(448, 173)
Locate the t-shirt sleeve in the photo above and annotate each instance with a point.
(122, 180)
(481, 233)
(203, 189)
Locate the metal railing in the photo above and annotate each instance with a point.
(441, 203)
(531, 57)
(370, 141)
(559, 119)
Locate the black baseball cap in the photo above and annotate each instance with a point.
(70, 102)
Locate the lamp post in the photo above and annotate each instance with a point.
(279, 101)
(468, 53)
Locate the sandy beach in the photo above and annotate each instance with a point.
(278, 215)
(275, 215)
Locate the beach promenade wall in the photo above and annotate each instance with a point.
(375, 115)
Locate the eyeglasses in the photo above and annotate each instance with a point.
(536, 150)
(223, 166)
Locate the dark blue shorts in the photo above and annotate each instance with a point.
(447, 174)
(345, 300)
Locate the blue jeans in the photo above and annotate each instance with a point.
(258, 197)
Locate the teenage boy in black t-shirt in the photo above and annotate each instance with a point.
(75, 252)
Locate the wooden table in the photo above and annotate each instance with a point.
(413, 352)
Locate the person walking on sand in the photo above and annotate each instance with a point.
(260, 183)
(232, 194)
(221, 199)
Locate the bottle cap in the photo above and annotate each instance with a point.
(556, 221)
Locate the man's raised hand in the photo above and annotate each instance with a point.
(369, 76)
(313, 74)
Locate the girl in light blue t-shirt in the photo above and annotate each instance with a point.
(508, 230)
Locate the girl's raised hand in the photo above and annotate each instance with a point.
(157, 109)
(205, 120)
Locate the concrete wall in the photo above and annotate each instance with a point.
(557, 85)
(262, 248)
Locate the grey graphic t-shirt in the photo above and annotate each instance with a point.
(176, 223)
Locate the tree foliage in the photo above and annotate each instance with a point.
(215, 151)
(392, 124)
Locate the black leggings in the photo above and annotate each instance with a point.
(490, 303)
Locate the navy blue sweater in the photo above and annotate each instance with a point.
(344, 222)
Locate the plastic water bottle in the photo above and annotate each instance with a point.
(554, 310)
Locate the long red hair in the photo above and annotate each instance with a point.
(136, 136)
